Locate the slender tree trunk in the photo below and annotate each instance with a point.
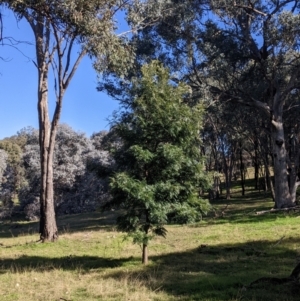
(227, 181)
(216, 185)
(145, 242)
(293, 183)
(145, 254)
(268, 177)
(256, 165)
(242, 170)
(267, 164)
(228, 167)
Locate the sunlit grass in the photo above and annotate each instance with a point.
(213, 260)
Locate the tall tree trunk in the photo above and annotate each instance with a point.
(47, 131)
(48, 227)
(282, 194)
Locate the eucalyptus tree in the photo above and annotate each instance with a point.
(268, 34)
(64, 32)
(160, 170)
(246, 52)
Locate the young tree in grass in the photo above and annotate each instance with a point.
(161, 171)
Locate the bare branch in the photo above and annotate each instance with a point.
(75, 66)
(252, 103)
(295, 6)
(280, 5)
(1, 27)
(11, 42)
(59, 57)
(251, 8)
(69, 56)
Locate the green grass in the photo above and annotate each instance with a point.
(213, 260)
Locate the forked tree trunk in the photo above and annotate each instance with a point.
(47, 132)
(62, 48)
(48, 228)
(53, 46)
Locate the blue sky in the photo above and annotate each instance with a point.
(84, 109)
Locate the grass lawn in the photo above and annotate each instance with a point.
(213, 260)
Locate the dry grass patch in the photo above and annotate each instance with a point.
(213, 260)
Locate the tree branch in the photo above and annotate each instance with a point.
(251, 8)
(75, 66)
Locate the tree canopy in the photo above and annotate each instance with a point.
(244, 53)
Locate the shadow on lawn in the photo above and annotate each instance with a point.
(222, 272)
(91, 221)
(246, 218)
(70, 262)
(243, 209)
(205, 273)
(237, 211)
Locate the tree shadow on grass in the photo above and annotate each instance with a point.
(222, 272)
(245, 218)
(96, 221)
(244, 210)
(71, 262)
(92, 221)
(218, 273)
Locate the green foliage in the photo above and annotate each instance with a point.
(14, 173)
(160, 169)
(90, 24)
(13, 150)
